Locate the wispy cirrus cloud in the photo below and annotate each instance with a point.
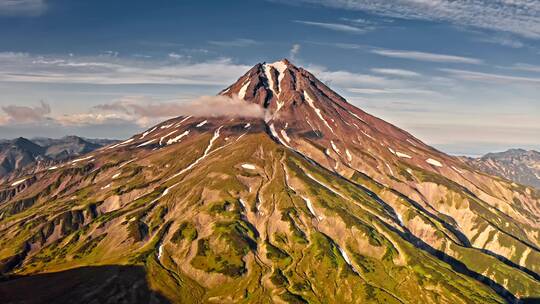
(336, 26)
(395, 72)
(424, 56)
(238, 42)
(370, 91)
(175, 69)
(526, 67)
(504, 41)
(491, 77)
(22, 7)
(520, 17)
(344, 79)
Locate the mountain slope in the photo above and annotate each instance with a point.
(318, 202)
(517, 165)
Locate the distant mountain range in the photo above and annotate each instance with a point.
(518, 165)
(20, 154)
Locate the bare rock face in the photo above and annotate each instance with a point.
(319, 202)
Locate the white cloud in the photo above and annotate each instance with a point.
(492, 78)
(395, 72)
(142, 111)
(175, 56)
(335, 26)
(294, 51)
(504, 41)
(94, 119)
(526, 67)
(370, 91)
(25, 114)
(20, 67)
(423, 56)
(238, 42)
(346, 79)
(147, 108)
(520, 17)
(22, 7)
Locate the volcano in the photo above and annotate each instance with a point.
(316, 202)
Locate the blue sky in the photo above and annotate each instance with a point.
(461, 75)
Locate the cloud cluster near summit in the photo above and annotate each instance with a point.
(205, 106)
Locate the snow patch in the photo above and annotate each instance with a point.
(400, 218)
(248, 166)
(81, 159)
(349, 156)
(243, 203)
(392, 151)
(268, 74)
(146, 143)
(459, 171)
(247, 125)
(53, 168)
(18, 182)
(389, 168)
(127, 141)
(358, 117)
(105, 187)
(167, 135)
(177, 138)
(280, 67)
(279, 105)
(334, 147)
(148, 132)
(243, 89)
(116, 175)
(202, 123)
(367, 134)
(285, 136)
(160, 251)
(310, 207)
(433, 162)
(345, 257)
(309, 123)
(275, 134)
(411, 142)
(402, 155)
(206, 152)
(181, 121)
(317, 110)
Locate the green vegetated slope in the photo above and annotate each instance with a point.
(278, 229)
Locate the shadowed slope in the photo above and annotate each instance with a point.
(103, 284)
